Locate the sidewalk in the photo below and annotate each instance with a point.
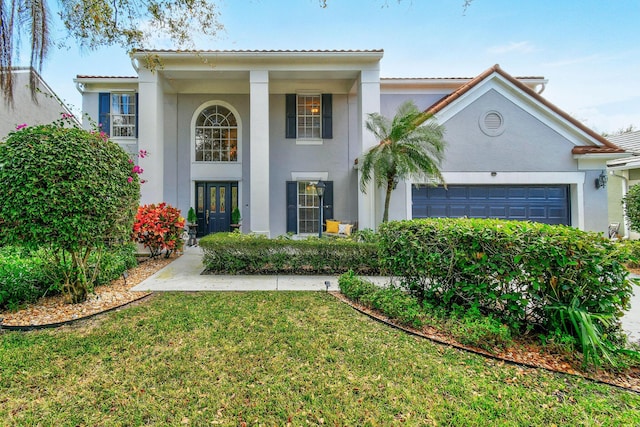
(183, 274)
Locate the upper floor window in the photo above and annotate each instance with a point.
(216, 135)
(123, 115)
(309, 117)
(118, 114)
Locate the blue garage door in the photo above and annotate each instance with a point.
(541, 203)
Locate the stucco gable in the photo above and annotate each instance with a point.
(584, 140)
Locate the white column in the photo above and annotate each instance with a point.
(368, 102)
(259, 157)
(151, 136)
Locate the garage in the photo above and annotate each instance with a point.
(548, 204)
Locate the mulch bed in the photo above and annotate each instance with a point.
(524, 352)
(54, 309)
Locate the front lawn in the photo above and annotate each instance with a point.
(271, 359)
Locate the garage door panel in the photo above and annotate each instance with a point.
(541, 203)
(496, 212)
(517, 212)
(458, 211)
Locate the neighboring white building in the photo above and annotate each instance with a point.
(256, 130)
(623, 173)
(45, 107)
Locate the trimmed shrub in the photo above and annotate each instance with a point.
(159, 228)
(520, 271)
(68, 190)
(392, 301)
(236, 253)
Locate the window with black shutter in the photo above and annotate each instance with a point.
(309, 116)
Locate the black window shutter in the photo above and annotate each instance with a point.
(104, 108)
(327, 201)
(327, 116)
(137, 110)
(291, 107)
(292, 207)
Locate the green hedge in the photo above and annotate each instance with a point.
(23, 277)
(27, 275)
(236, 253)
(526, 273)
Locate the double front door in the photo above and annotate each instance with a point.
(214, 203)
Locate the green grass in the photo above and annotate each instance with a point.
(272, 359)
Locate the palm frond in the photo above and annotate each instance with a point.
(410, 145)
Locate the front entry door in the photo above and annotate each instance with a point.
(215, 201)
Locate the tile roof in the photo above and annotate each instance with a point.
(79, 76)
(595, 149)
(630, 141)
(261, 51)
(606, 148)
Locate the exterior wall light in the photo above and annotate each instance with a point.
(601, 180)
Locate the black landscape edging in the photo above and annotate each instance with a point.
(477, 352)
(27, 328)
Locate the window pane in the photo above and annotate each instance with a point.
(220, 127)
(223, 199)
(309, 117)
(200, 199)
(234, 197)
(123, 115)
(212, 199)
(308, 210)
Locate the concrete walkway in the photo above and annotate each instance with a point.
(183, 274)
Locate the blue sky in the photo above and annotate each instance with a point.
(588, 49)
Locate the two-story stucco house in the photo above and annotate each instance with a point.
(257, 129)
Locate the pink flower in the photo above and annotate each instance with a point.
(130, 161)
(22, 126)
(130, 180)
(99, 125)
(142, 154)
(137, 169)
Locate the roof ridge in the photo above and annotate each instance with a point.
(453, 96)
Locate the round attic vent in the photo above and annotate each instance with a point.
(492, 123)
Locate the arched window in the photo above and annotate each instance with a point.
(216, 134)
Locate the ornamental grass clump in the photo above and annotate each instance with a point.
(69, 191)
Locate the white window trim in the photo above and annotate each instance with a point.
(112, 125)
(194, 118)
(309, 141)
(311, 177)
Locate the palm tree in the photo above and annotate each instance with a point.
(411, 146)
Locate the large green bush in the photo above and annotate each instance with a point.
(237, 253)
(70, 191)
(524, 272)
